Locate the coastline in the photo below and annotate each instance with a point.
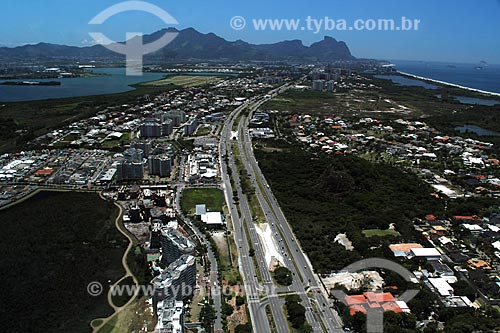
(489, 93)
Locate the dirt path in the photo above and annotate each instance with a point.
(128, 273)
(119, 225)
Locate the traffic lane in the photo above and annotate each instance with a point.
(327, 311)
(312, 319)
(277, 311)
(244, 203)
(247, 268)
(305, 272)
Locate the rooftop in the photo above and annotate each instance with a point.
(212, 218)
(178, 239)
(372, 300)
(425, 252)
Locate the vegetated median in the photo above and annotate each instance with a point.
(54, 245)
(283, 276)
(296, 314)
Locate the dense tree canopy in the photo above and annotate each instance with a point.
(283, 276)
(53, 245)
(296, 311)
(324, 195)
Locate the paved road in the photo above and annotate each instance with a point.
(298, 286)
(291, 247)
(243, 228)
(214, 274)
(289, 243)
(246, 266)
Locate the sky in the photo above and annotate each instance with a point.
(454, 31)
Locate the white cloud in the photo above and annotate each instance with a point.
(88, 42)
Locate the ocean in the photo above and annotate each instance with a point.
(467, 75)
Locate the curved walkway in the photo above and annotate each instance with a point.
(128, 273)
(119, 225)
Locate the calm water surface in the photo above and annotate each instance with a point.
(114, 82)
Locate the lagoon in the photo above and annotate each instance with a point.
(404, 81)
(477, 130)
(476, 101)
(473, 100)
(113, 81)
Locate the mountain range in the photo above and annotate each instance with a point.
(190, 44)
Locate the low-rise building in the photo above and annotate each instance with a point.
(213, 219)
(170, 316)
(427, 253)
(441, 286)
(374, 300)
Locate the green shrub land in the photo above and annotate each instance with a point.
(53, 246)
(326, 195)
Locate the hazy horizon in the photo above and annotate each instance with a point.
(450, 31)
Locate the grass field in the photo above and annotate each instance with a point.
(185, 81)
(198, 297)
(317, 102)
(109, 326)
(213, 198)
(380, 233)
(54, 245)
(110, 144)
(203, 130)
(388, 101)
(137, 317)
(228, 267)
(121, 300)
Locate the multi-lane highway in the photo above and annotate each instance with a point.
(319, 315)
(295, 259)
(299, 287)
(259, 318)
